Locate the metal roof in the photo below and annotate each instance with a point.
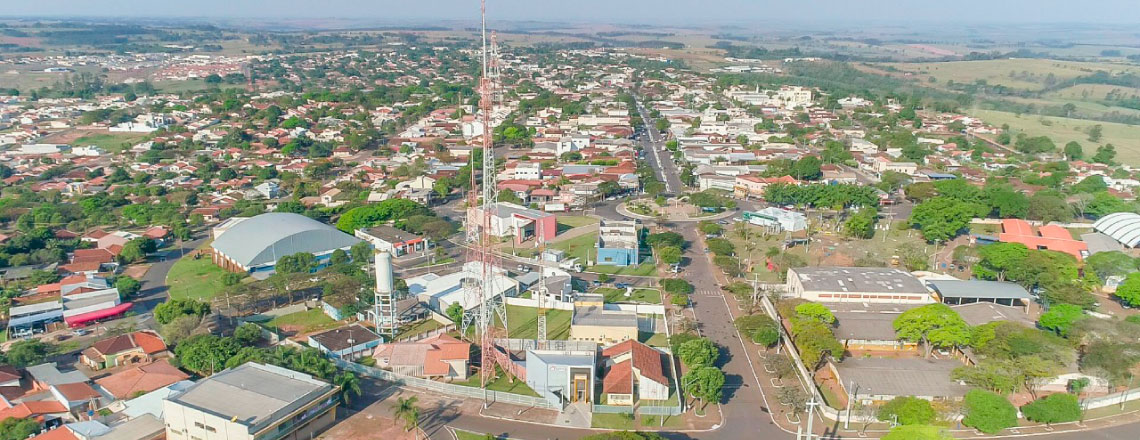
(252, 394)
(265, 238)
(902, 377)
(859, 280)
(1121, 226)
(978, 289)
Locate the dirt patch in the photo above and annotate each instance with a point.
(368, 424)
(69, 136)
(137, 272)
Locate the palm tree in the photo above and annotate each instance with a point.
(405, 409)
(349, 386)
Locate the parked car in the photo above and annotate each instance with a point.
(523, 268)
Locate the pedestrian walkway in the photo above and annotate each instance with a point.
(708, 293)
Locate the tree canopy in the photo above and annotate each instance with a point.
(988, 412)
(934, 325)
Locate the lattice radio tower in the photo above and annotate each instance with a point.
(482, 264)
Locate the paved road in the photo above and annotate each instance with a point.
(658, 158)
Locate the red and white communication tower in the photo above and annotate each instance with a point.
(483, 266)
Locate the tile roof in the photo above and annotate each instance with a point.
(77, 391)
(649, 362)
(619, 380)
(149, 342)
(144, 378)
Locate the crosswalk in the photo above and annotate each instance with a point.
(708, 293)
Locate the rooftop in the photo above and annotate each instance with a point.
(265, 238)
(390, 234)
(902, 377)
(859, 279)
(978, 289)
(345, 337)
(596, 316)
(253, 394)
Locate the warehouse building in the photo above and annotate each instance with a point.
(856, 284)
(256, 244)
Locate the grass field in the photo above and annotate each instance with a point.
(652, 296)
(580, 247)
(304, 322)
(111, 142)
(190, 85)
(617, 422)
(195, 278)
(468, 435)
(1028, 74)
(574, 221)
(641, 270)
(653, 339)
(1126, 138)
(501, 383)
(522, 323)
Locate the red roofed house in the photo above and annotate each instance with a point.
(142, 379)
(131, 348)
(437, 356)
(1048, 237)
(36, 410)
(630, 368)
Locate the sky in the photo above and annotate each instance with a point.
(676, 12)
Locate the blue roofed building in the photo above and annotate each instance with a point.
(618, 243)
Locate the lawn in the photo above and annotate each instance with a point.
(642, 270)
(617, 422)
(669, 422)
(195, 278)
(613, 295)
(580, 247)
(468, 435)
(1029, 74)
(303, 322)
(111, 142)
(501, 383)
(653, 339)
(567, 222)
(1062, 130)
(523, 323)
(424, 326)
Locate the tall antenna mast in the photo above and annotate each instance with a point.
(542, 290)
(482, 266)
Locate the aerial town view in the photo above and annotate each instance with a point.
(526, 219)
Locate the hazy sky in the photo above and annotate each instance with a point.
(607, 11)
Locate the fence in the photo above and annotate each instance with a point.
(445, 388)
(1112, 399)
(520, 345)
(825, 411)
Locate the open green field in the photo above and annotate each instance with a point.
(574, 221)
(303, 322)
(501, 383)
(111, 142)
(424, 326)
(522, 323)
(195, 278)
(580, 247)
(190, 85)
(1020, 73)
(1126, 138)
(617, 422)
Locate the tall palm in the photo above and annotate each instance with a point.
(349, 386)
(405, 409)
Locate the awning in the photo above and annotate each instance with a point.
(84, 318)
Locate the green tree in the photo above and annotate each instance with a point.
(301, 262)
(816, 341)
(807, 168)
(1095, 133)
(13, 428)
(704, 382)
(677, 286)
(232, 278)
(28, 352)
(455, 312)
(349, 386)
(918, 432)
(206, 354)
(1107, 264)
(934, 325)
(247, 334)
(698, 352)
(908, 410)
(669, 254)
(1105, 154)
(406, 410)
(988, 412)
(1129, 290)
(999, 258)
(1054, 408)
(816, 311)
(942, 218)
(665, 239)
(1060, 318)
(170, 310)
(760, 328)
(135, 251)
(1073, 151)
(862, 224)
(127, 286)
(710, 228)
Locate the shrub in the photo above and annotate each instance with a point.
(909, 410)
(988, 412)
(1054, 408)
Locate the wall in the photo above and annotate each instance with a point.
(443, 387)
(617, 257)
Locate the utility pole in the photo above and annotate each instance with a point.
(850, 398)
(811, 404)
